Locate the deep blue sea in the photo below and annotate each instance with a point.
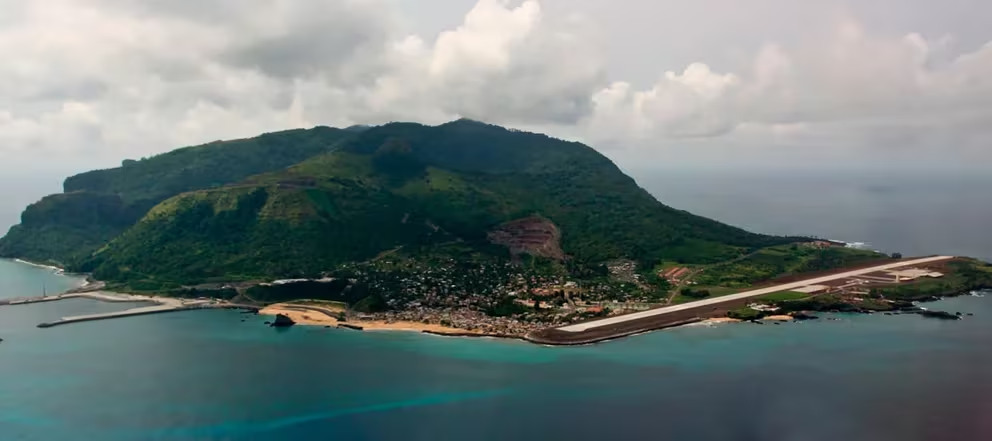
(221, 375)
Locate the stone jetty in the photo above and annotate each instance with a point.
(159, 305)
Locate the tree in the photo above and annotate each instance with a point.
(371, 304)
(696, 294)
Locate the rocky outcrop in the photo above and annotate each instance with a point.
(801, 316)
(282, 321)
(940, 315)
(534, 235)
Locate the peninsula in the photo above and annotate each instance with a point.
(463, 229)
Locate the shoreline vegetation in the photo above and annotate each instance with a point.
(335, 314)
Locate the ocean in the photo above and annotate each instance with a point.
(221, 375)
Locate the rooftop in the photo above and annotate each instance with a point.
(812, 289)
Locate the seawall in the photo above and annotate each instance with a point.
(120, 314)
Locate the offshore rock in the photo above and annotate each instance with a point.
(801, 316)
(940, 315)
(282, 321)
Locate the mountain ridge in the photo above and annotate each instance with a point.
(407, 185)
(48, 231)
(301, 203)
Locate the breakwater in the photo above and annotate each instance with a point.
(161, 305)
(118, 314)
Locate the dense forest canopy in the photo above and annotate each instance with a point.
(409, 186)
(99, 205)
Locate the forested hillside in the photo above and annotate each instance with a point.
(411, 187)
(99, 205)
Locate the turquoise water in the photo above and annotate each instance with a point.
(23, 280)
(221, 375)
(208, 375)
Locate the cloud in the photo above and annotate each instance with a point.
(503, 64)
(158, 74)
(850, 88)
(688, 104)
(101, 80)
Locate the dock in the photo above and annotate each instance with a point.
(161, 305)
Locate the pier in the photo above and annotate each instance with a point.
(161, 305)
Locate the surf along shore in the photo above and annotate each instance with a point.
(335, 315)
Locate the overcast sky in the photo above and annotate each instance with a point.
(659, 83)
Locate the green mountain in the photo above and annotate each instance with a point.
(98, 206)
(416, 190)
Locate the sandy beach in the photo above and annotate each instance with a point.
(779, 318)
(310, 318)
(316, 318)
(718, 320)
(410, 327)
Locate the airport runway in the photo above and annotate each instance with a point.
(581, 327)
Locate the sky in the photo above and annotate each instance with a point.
(893, 84)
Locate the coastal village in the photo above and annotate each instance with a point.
(503, 300)
(506, 299)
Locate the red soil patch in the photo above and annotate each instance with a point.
(533, 235)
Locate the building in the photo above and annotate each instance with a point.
(813, 289)
(913, 274)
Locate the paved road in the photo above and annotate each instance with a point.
(580, 327)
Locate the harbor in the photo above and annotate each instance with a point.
(158, 305)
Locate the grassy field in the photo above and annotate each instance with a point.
(783, 296)
(745, 314)
(783, 260)
(715, 291)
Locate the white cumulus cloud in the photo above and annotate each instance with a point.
(103, 80)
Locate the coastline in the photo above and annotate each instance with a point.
(84, 280)
(723, 320)
(321, 314)
(39, 265)
(310, 317)
(717, 321)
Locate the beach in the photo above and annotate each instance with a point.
(718, 320)
(317, 318)
(309, 318)
(779, 318)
